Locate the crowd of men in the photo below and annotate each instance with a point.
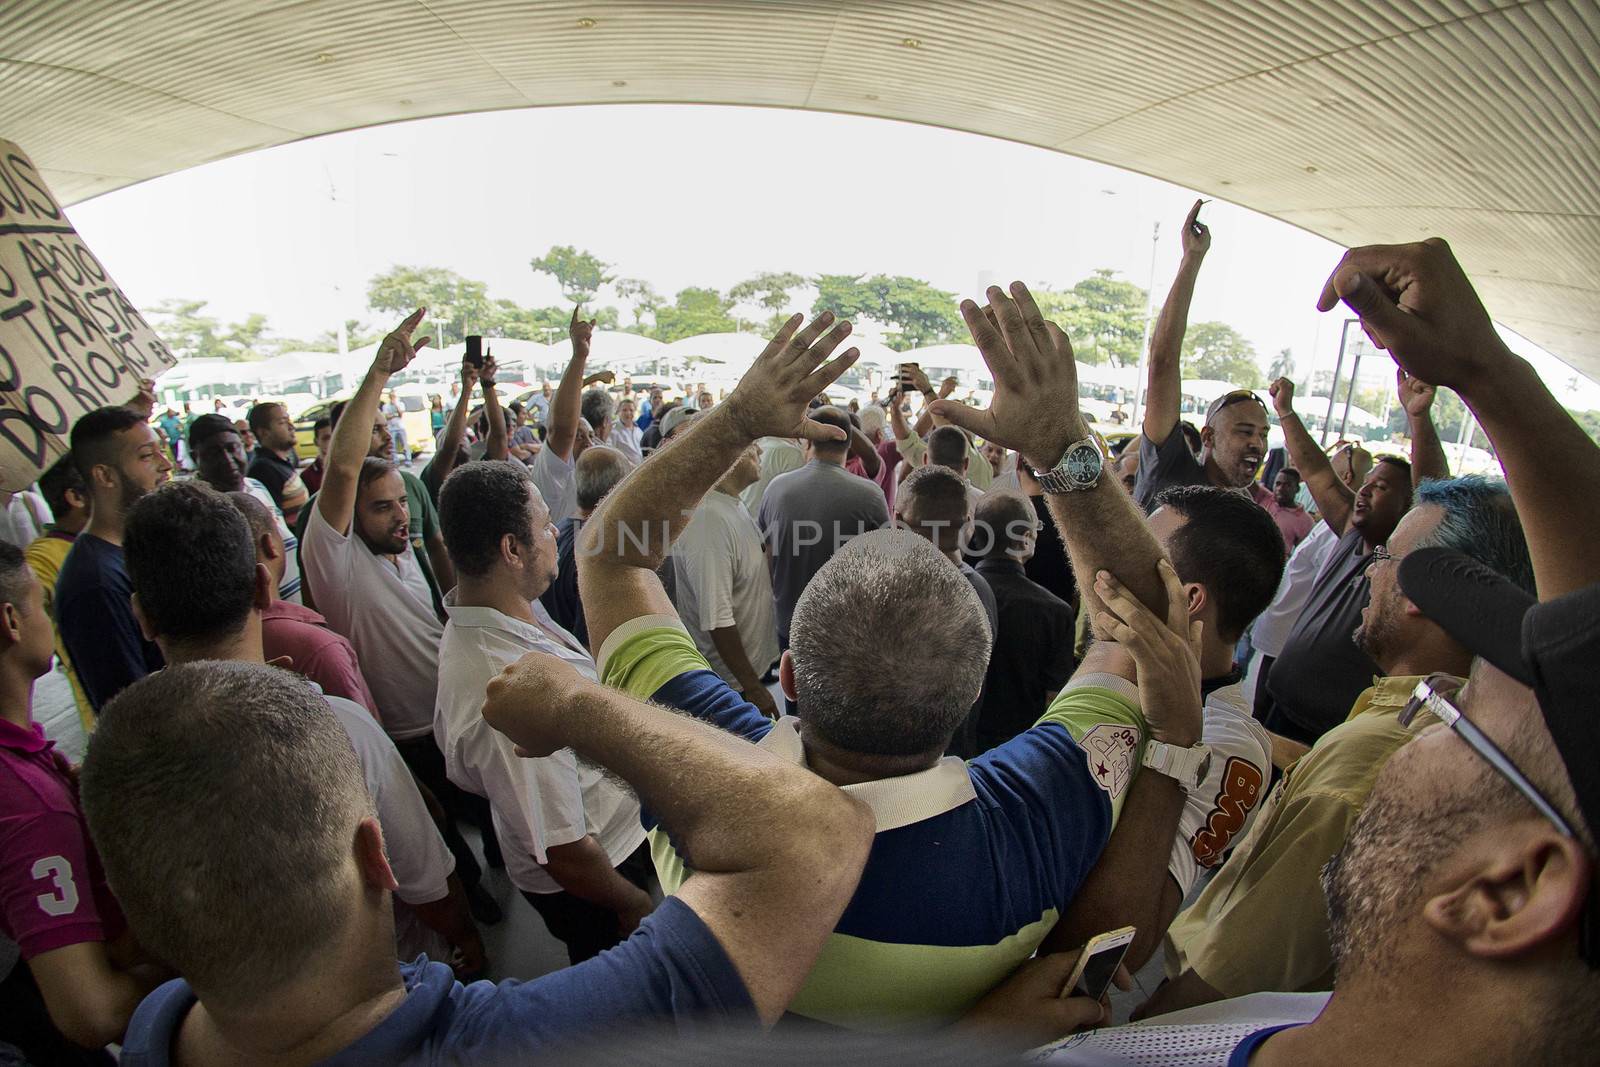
(853, 722)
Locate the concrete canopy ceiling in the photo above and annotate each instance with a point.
(1359, 120)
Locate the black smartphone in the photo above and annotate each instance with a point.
(475, 350)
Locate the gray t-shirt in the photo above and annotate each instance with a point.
(806, 516)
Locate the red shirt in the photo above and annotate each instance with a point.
(53, 892)
(312, 475)
(314, 650)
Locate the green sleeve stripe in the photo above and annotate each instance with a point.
(883, 986)
(646, 653)
(1081, 708)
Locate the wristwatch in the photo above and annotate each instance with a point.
(1080, 468)
(1187, 766)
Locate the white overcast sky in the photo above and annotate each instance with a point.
(683, 195)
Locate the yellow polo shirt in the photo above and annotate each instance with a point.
(1262, 923)
(45, 555)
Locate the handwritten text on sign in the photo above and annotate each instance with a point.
(70, 341)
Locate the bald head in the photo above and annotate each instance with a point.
(829, 415)
(932, 502)
(1352, 464)
(597, 472)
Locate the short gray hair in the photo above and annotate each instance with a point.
(888, 581)
(597, 406)
(223, 799)
(871, 419)
(597, 472)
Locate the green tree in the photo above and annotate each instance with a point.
(1216, 350)
(918, 313)
(1104, 318)
(194, 335)
(580, 273)
(1590, 421)
(456, 305)
(188, 332)
(694, 311)
(769, 290)
(641, 296)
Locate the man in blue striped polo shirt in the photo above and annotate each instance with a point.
(973, 864)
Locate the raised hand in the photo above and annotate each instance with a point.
(770, 400)
(144, 401)
(529, 699)
(947, 386)
(398, 349)
(1416, 395)
(1035, 408)
(581, 331)
(600, 377)
(1415, 301)
(490, 369)
(919, 378)
(1282, 393)
(1196, 234)
(469, 376)
(1166, 654)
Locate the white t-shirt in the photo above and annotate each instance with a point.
(536, 803)
(417, 853)
(386, 611)
(1206, 1036)
(779, 455)
(1218, 814)
(553, 475)
(627, 438)
(722, 580)
(1271, 629)
(289, 588)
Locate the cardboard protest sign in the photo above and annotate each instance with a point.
(70, 341)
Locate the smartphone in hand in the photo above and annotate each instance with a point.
(1098, 963)
(475, 350)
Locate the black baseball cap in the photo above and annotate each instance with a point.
(208, 426)
(1552, 647)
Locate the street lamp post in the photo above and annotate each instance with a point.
(1144, 335)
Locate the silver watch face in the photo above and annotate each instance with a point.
(1081, 464)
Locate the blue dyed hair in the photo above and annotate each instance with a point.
(1479, 520)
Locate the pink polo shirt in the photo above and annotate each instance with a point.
(1295, 523)
(53, 892)
(315, 651)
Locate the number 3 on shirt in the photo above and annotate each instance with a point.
(64, 901)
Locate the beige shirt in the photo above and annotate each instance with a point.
(1262, 923)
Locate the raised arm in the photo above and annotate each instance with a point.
(1427, 454)
(455, 430)
(863, 449)
(336, 500)
(627, 537)
(1129, 885)
(1035, 411)
(1415, 301)
(776, 851)
(564, 406)
(1163, 392)
(1335, 500)
(496, 447)
(1118, 563)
